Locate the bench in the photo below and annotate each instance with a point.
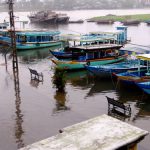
(36, 75)
(118, 106)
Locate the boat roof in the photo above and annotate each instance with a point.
(107, 32)
(38, 33)
(102, 132)
(143, 56)
(99, 47)
(85, 38)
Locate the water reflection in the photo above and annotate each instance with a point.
(80, 79)
(44, 26)
(60, 98)
(34, 55)
(101, 86)
(117, 115)
(144, 108)
(35, 82)
(19, 116)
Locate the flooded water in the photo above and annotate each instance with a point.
(37, 110)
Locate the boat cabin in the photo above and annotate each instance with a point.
(118, 35)
(90, 52)
(25, 37)
(87, 39)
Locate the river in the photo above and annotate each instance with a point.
(38, 111)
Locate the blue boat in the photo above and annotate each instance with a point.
(141, 75)
(61, 54)
(145, 86)
(110, 69)
(93, 55)
(32, 39)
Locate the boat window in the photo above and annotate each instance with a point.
(32, 39)
(50, 38)
(18, 38)
(89, 56)
(96, 55)
(43, 38)
(39, 38)
(22, 38)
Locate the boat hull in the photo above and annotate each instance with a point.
(27, 46)
(131, 78)
(73, 65)
(49, 20)
(108, 70)
(61, 54)
(145, 86)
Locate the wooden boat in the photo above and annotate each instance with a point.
(61, 54)
(141, 75)
(93, 55)
(76, 21)
(109, 69)
(131, 22)
(131, 77)
(32, 39)
(79, 42)
(48, 17)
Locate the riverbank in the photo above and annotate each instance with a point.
(110, 18)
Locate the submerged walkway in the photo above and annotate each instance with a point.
(103, 132)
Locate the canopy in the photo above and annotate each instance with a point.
(143, 56)
(45, 33)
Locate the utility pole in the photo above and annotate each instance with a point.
(19, 116)
(13, 35)
(13, 47)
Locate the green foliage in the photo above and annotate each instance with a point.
(140, 17)
(59, 79)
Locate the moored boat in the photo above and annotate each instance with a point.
(32, 39)
(109, 69)
(93, 55)
(48, 17)
(61, 54)
(76, 21)
(132, 77)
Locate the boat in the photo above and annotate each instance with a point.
(48, 17)
(32, 39)
(62, 18)
(109, 69)
(131, 22)
(140, 75)
(145, 86)
(131, 77)
(72, 43)
(61, 54)
(76, 21)
(93, 55)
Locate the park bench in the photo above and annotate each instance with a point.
(118, 106)
(36, 75)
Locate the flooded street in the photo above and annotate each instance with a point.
(37, 111)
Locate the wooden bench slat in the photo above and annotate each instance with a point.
(114, 103)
